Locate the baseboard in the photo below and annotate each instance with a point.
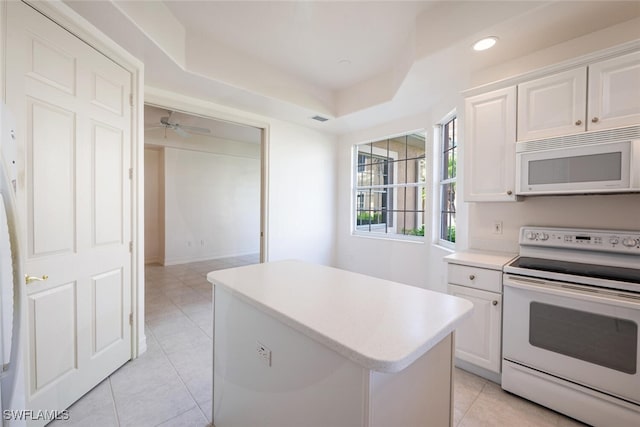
(481, 372)
(210, 257)
(142, 345)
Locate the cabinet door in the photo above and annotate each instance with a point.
(478, 338)
(489, 147)
(553, 105)
(614, 93)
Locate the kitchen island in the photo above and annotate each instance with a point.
(298, 344)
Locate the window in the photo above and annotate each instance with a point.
(390, 192)
(448, 173)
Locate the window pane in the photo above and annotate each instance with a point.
(391, 210)
(448, 212)
(380, 148)
(364, 149)
(449, 163)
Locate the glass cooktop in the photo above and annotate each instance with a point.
(620, 274)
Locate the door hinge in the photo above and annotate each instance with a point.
(131, 246)
(130, 173)
(131, 318)
(131, 99)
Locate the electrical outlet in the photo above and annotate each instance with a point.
(497, 227)
(264, 353)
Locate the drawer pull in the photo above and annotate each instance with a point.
(494, 302)
(471, 277)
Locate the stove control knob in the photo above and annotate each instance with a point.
(630, 242)
(614, 240)
(543, 236)
(531, 235)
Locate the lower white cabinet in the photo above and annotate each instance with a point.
(478, 339)
(477, 277)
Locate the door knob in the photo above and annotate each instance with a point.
(578, 122)
(595, 120)
(28, 279)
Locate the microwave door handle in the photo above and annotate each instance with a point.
(576, 292)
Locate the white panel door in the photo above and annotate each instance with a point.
(614, 93)
(490, 146)
(553, 105)
(478, 339)
(73, 194)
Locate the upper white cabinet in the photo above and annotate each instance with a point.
(490, 136)
(614, 93)
(553, 105)
(560, 104)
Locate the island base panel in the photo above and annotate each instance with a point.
(306, 383)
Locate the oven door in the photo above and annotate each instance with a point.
(582, 334)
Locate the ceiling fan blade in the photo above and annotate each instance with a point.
(177, 129)
(195, 129)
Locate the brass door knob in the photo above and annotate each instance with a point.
(578, 122)
(28, 279)
(595, 120)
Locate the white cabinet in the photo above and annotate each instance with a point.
(490, 136)
(564, 103)
(478, 339)
(614, 93)
(553, 105)
(477, 277)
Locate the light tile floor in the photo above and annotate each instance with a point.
(171, 383)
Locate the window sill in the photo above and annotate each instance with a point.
(407, 239)
(444, 248)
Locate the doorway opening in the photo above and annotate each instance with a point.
(203, 188)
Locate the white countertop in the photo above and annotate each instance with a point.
(481, 259)
(379, 324)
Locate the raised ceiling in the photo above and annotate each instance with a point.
(359, 63)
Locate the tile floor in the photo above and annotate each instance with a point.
(170, 384)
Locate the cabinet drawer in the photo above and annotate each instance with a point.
(474, 277)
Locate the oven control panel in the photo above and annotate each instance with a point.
(570, 238)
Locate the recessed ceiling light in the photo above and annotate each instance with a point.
(485, 43)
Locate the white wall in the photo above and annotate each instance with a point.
(421, 264)
(211, 197)
(300, 179)
(302, 188)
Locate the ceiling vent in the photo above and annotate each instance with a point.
(320, 118)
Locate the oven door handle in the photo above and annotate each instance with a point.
(584, 293)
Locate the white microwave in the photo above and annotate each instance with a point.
(579, 164)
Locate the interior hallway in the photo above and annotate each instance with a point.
(171, 383)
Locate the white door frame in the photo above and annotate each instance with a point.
(67, 18)
(177, 102)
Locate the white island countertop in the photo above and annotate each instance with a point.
(381, 325)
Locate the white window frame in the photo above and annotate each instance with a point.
(439, 183)
(391, 234)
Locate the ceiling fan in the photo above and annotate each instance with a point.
(182, 130)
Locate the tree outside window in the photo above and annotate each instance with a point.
(449, 156)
